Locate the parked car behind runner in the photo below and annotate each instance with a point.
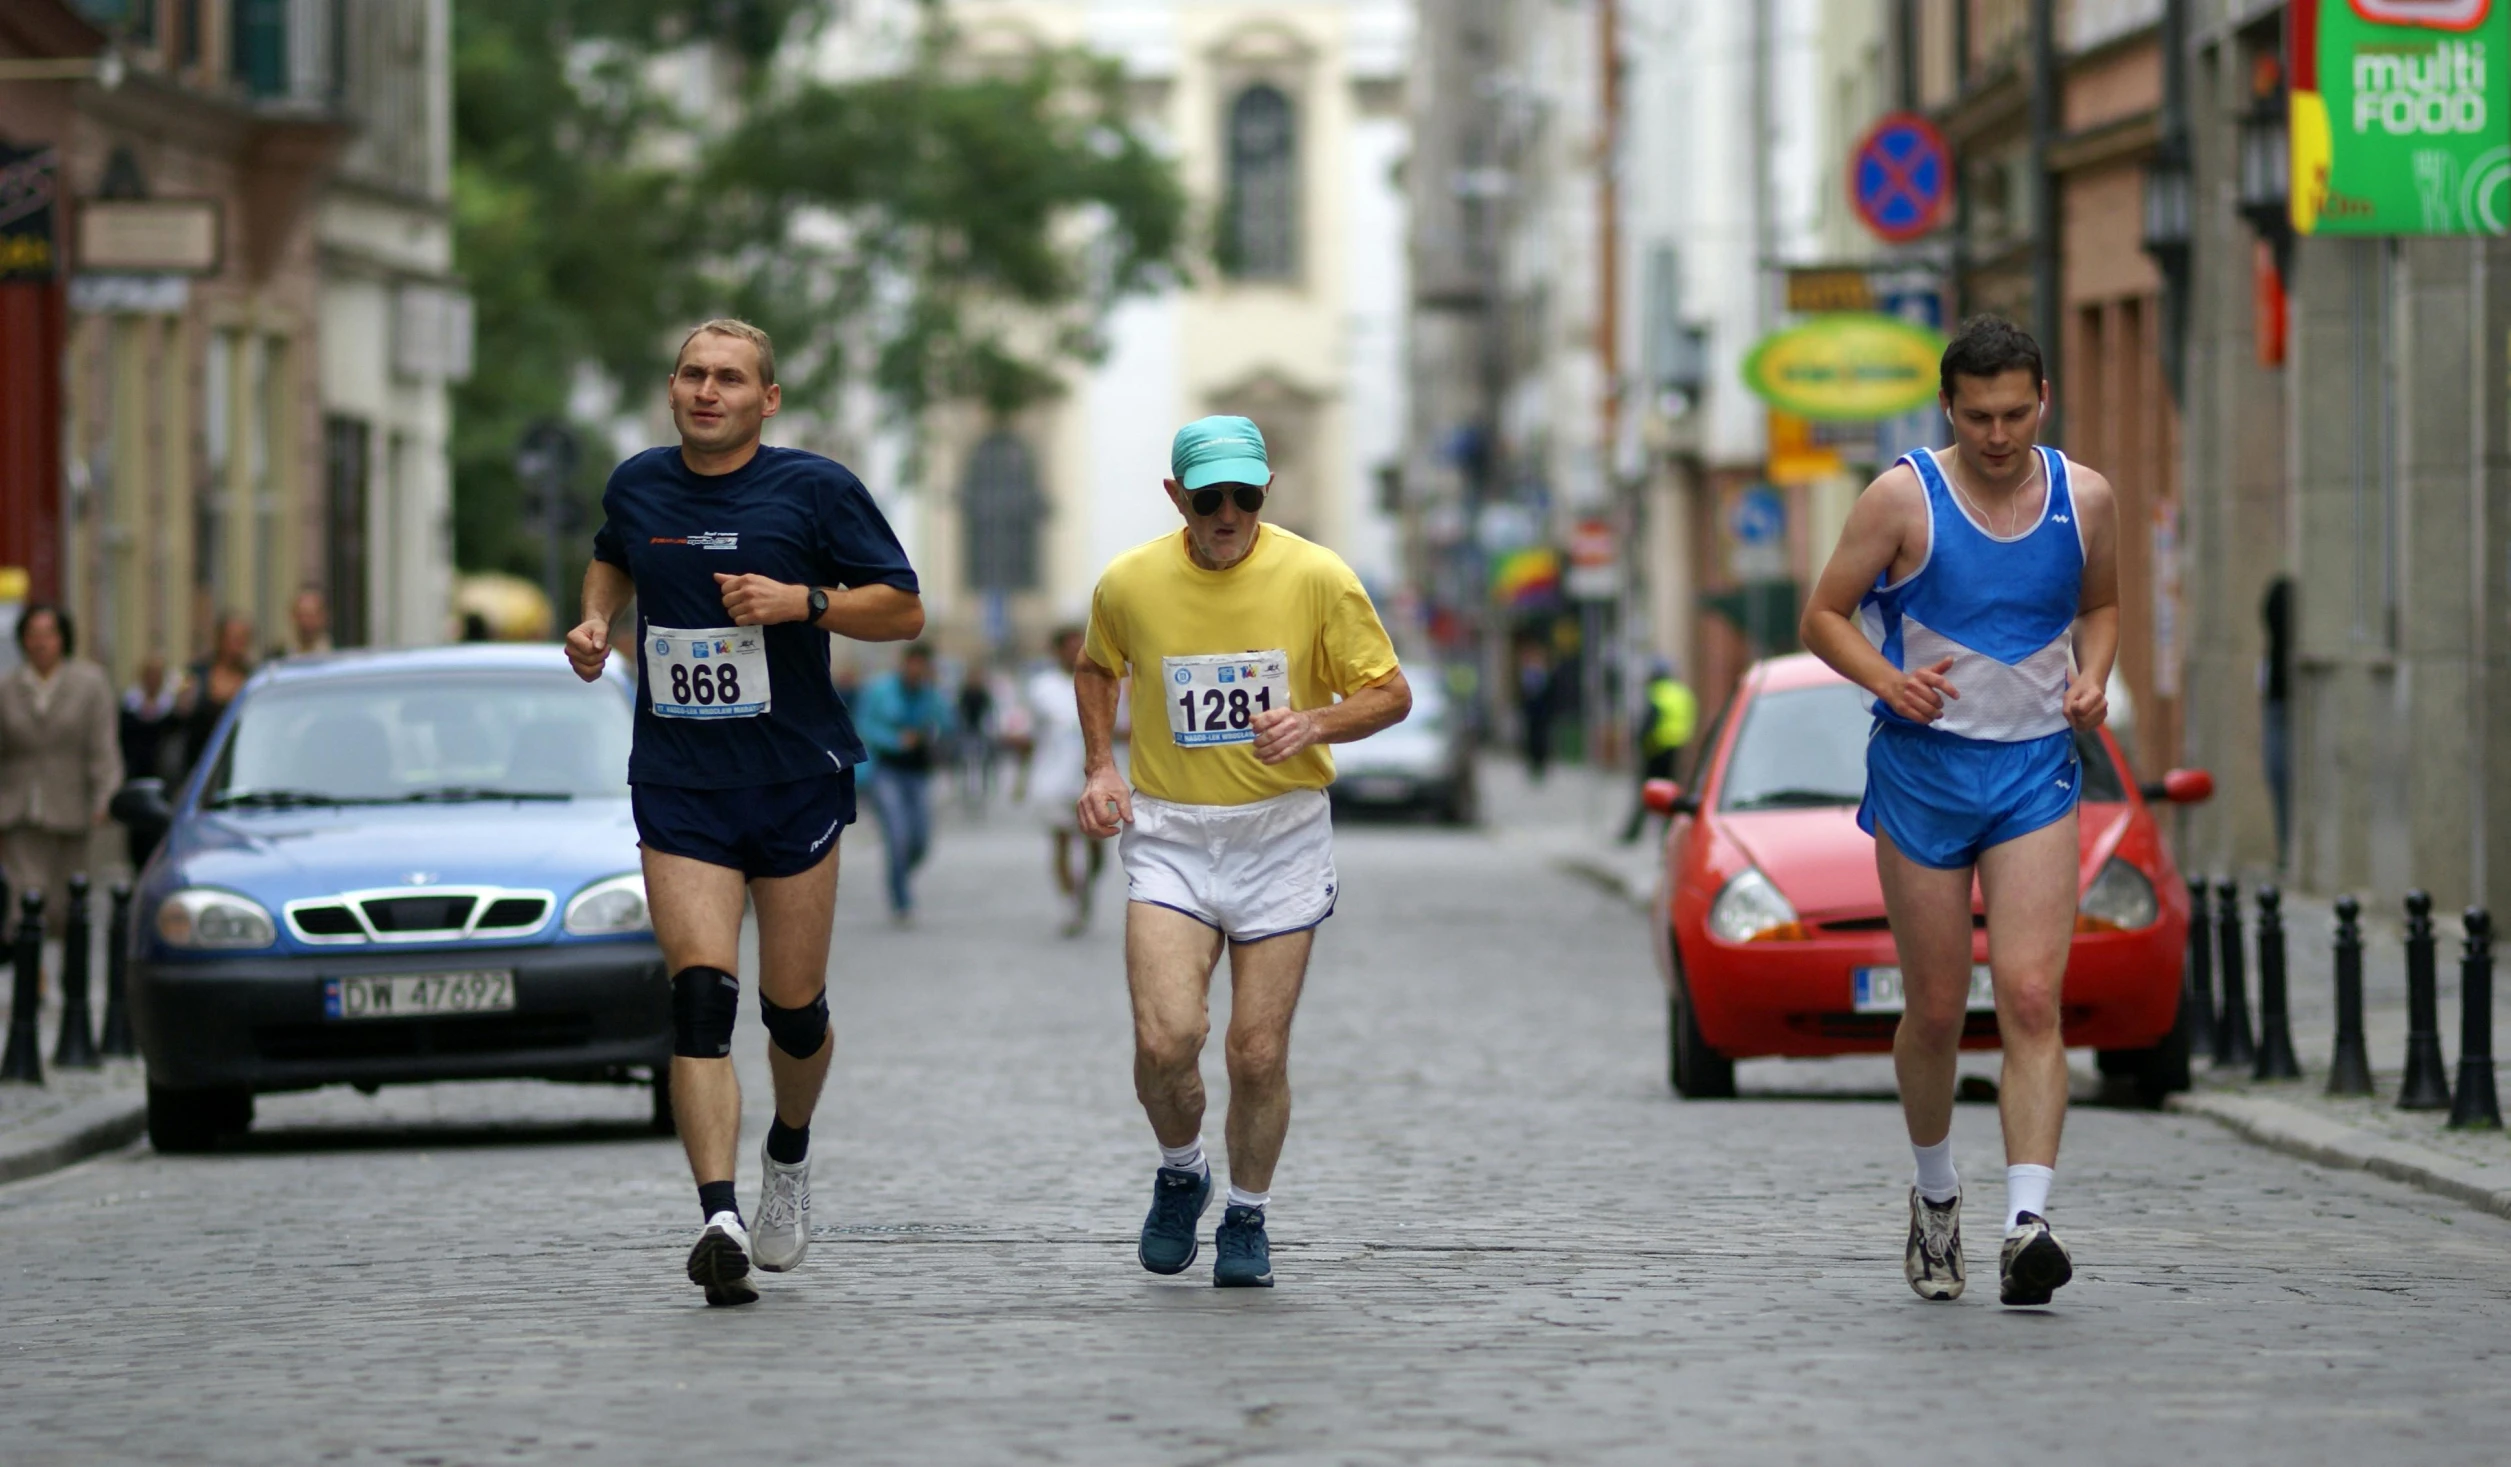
(1772, 938)
(393, 867)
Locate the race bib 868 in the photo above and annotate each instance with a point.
(707, 672)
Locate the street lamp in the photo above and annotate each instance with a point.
(2266, 176)
(2169, 231)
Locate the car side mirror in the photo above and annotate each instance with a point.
(140, 806)
(1665, 797)
(2181, 787)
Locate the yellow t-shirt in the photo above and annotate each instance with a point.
(1288, 595)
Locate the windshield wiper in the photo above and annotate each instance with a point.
(457, 794)
(1793, 799)
(276, 799)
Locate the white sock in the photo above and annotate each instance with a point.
(1241, 1197)
(1186, 1158)
(2027, 1190)
(1936, 1179)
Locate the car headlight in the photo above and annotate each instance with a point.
(1751, 910)
(610, 907)
(201, 917)
(2120, 899)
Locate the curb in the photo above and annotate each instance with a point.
(101, 1124)
(1603, 874)
(2297, 1132)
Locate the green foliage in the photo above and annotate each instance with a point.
(943, 233)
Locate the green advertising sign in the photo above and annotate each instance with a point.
(2401, 116)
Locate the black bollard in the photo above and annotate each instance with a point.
(2199, 991)
(76, 1048)
(25, 1057)
(2232, 1042)
(118, 1042)
(2275, 1028)
(2475, 1106)
(2349, 1069)
(2427, 1084)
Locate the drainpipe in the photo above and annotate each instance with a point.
(2047, 310)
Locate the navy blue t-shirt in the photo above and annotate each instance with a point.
(788, 515)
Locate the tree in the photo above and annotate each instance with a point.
(944, 233)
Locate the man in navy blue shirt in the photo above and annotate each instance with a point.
(741, 560)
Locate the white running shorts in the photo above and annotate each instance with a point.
(1252, 871)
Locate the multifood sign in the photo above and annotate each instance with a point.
(2401, 116)
(1847, 367)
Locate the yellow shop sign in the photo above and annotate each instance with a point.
(1849, 366)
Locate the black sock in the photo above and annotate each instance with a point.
(787, 1144)
(715, 1197)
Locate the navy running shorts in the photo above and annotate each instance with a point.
(1944, 798)
(760, 830)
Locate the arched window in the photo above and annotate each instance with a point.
(1263, 225)
(1000, 510)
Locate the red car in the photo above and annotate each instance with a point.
(1775, 942)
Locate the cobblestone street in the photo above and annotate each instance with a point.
(1499, 1238)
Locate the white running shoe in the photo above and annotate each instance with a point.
(784, 1217)
(720, 1263)
(2034, 1264)
(1933, 1262)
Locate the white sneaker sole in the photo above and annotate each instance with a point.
(719, 1266)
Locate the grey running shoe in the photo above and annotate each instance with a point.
(1177, 1202)
(1933, 1263)
(2034, 1264)
(784, 1219)
(720, 1263)
(1246, 1259)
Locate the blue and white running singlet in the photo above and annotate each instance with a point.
(2002, 609)
(2001, 762)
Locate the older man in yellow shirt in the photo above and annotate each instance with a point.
(1236, 639)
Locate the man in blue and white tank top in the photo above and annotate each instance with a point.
(1975, 593)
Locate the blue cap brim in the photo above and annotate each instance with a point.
(1227, 471)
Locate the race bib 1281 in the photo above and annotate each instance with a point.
(706, 672)
(1214, 698)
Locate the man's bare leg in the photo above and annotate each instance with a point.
(697, 920)
(1169, 958)
(796, 914)
(1264, 983)
(2030, 886)
(1931, 929)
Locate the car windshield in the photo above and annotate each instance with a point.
(434, 737)
(1806, 748)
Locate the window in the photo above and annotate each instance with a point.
(257, 53)
(1262, 229)
(1000, 509)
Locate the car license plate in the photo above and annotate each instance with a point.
(1878, 990)
(418, 995)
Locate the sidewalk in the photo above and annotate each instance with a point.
(74, 1114)
(1573, 819)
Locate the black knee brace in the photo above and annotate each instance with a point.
(705, 1002)
(798, 1032)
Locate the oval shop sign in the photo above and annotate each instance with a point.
(1850, 366)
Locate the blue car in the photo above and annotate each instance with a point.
(391, 867)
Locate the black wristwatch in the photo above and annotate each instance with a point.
(819, 605)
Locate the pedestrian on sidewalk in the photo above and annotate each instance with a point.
(906, 724)
(60, 759)
(742, 561)
(1240, 637)
(213, 683)
(1535, 690)
(975, 747)
(1666, 720)
(1987, 577)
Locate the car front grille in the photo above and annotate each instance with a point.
(417, 1038)
(420, 914)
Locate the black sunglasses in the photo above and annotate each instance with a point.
(1207, 502)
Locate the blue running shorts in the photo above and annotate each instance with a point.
(766, 830)
(1944, 798)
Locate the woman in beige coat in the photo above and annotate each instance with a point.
(59, 760)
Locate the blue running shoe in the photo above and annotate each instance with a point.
(1245, 1259)
(1177, 1202)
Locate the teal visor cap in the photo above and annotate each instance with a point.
(1218, 450)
